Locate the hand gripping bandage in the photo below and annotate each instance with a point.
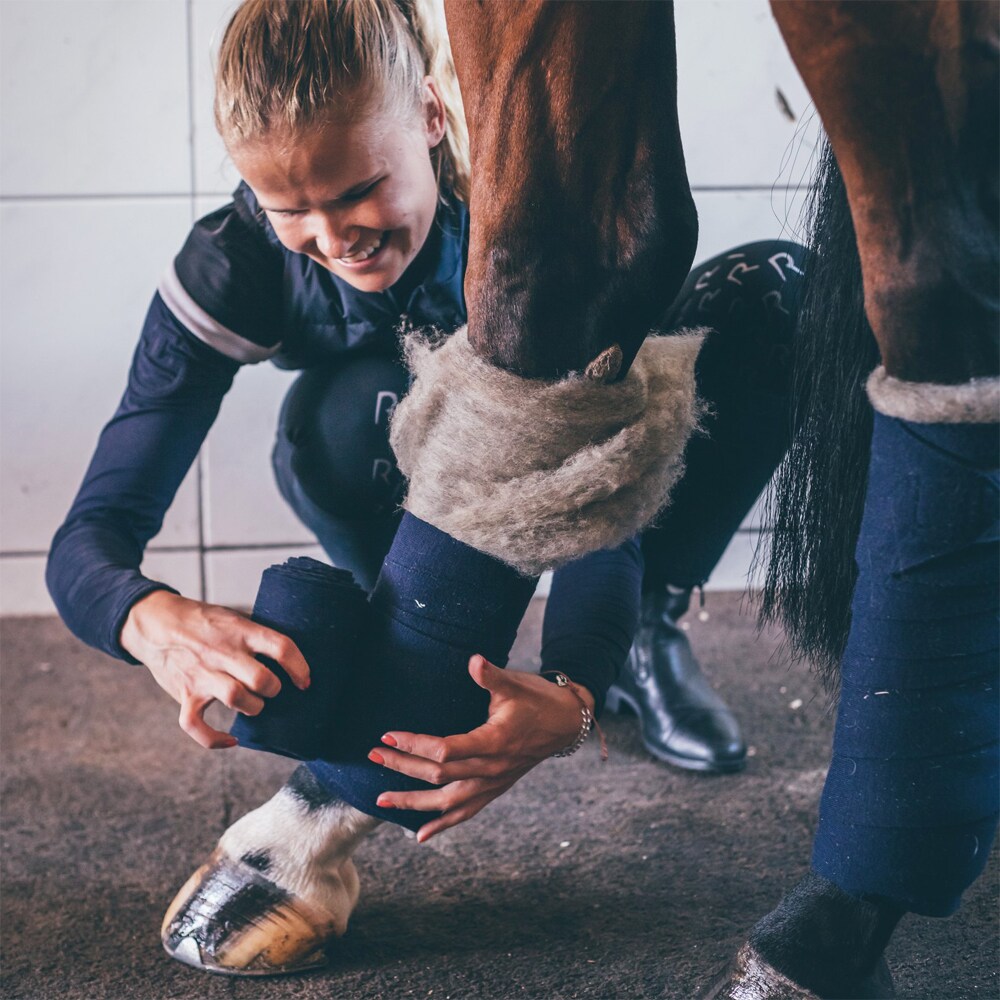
(537, 473)
(400, 661)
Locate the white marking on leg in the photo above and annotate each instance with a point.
(309, 849)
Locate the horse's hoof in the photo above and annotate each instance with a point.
(228, 918)
(749, 977)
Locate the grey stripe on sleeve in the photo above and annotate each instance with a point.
(206, 329)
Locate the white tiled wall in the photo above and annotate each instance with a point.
(107, 154)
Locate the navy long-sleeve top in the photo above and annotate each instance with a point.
(233, 296)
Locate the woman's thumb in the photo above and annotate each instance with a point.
(485, 674)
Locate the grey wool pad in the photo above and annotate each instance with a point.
(538, 473)
(974, 402)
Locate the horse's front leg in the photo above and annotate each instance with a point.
(582, 229)
(279, 887)
(582, 223)
(910, 805)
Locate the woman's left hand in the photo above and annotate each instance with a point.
(530, 718)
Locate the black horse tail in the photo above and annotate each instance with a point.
(816, 499)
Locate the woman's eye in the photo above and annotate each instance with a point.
(363, 193)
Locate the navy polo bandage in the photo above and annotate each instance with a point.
(911, 800)
(591, 617)
(538, 473)
(324, 612)
(436, 603)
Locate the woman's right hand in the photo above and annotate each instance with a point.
(200, 653)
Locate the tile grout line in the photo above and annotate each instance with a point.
(200, 465)
(193, 192)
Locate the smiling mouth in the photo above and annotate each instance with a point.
(364, 253)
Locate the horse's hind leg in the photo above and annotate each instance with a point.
(278, 888)
(910, 805)
(911, 799)
(909, 94)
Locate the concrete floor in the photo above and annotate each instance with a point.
(627, 879)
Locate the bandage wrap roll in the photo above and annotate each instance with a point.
(325, 613)
(537, 473)
(911, 800)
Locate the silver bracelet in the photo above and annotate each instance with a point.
(586, 716)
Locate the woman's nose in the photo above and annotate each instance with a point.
(334, 238)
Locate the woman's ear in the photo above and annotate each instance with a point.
(435, 118)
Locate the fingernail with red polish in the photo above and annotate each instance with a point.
(376, 757)
(383, 804)
(389, 741)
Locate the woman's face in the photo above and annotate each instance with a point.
(357, 198)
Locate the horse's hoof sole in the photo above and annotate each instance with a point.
(749, 977)
(189, 953)
(231, 920)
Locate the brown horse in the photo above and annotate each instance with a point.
(582, 231)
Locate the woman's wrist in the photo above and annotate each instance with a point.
(583, 692)
(134, 634)
(583, 701)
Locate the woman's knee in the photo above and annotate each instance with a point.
(333, 436)
(749, 299)
(756, 284)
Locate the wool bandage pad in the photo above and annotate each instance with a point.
(537, 473)
(404, 667)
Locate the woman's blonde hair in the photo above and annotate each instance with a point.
(288, 65)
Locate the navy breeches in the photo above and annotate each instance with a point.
(911, 800)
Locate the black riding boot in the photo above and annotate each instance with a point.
(683, 721)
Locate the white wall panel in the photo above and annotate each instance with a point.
(232, 578)
(22, 586)
(213, 170)
(731, 62)
(76, 278)
(242, 502)
(181, 570)
(736, 569)
(728, 218)
(95, 97)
